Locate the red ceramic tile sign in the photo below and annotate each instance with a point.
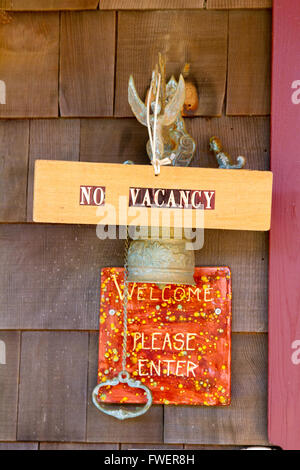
(179, 339)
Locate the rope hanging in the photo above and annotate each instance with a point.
(156, 162)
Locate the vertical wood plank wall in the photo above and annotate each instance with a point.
(65, 75)
(284, 341)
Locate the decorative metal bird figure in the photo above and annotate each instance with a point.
(171, 138)
(223, 158)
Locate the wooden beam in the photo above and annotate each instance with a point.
(284, 324)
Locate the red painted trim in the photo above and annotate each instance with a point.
(284, 273)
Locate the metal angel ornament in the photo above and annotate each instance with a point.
(169, 140)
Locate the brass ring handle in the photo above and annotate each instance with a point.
(121, 412)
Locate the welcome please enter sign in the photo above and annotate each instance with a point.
(179, 339)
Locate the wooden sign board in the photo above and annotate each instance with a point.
(179, 339)
(115, 194)
(284, 288)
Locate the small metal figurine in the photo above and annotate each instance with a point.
(223, 158)
(172, 140)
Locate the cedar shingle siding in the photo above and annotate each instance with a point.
(59, 64)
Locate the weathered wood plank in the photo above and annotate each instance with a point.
(128, 142)
(242, 423)
(19, 445)
(151, 446)
(9, 375)
(249, 58)
(246, 253)
(284, 320)
(150, 4)
(77, 446)
(47, 5)
(52, 398)
(50, 276)
(238, 4)
(196, 37)
(248, 136)
(29, 64)
(87, 60)
(147, 428)
(211, 447)
(14, 140)
(52, 139)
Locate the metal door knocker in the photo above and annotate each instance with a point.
(122, 413)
